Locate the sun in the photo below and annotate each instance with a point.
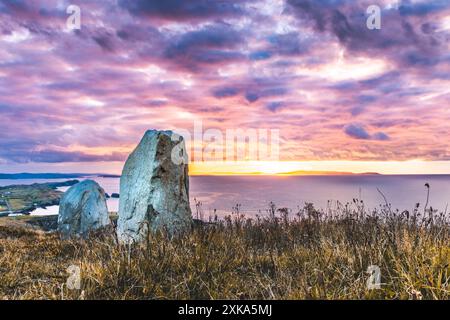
(246, 167)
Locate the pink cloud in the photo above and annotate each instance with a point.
(90, 94)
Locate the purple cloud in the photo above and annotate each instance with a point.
(184, 10)
(53, 156)
(405, 36)
(305, 67)
(357, 131)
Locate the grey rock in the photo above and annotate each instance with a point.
(82, 209)
(154, 188)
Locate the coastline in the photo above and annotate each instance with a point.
(23, 199)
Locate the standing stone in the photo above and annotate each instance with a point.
(154, 188)
(82, 209)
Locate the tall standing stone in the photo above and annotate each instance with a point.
(154, 188)
(82, 209)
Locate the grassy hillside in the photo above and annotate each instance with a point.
(306, 255)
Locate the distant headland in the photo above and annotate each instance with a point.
(26, 175)
(36, 176)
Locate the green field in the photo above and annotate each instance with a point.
(25, 198)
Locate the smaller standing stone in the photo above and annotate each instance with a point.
(82, 209)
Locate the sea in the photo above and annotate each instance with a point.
(252, 195)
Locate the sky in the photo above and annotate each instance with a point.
(343, 97)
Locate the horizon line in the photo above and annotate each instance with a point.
(219, 174)
(253, 168)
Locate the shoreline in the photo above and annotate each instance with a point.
(23, 199)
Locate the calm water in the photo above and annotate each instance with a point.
(255, 192)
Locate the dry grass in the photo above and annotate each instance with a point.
(307, 255)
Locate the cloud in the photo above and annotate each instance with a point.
(380, 136)
(12, 6)
(296, 65)
(213, 44)
(138, 33)
(260, 55)
(180, 10)
(53, 156)
(288, 44)
(252, 89)
(357, 131)
(275, 105)
(408, 8)
(225, 92)
(105, 42)
(401, 37)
